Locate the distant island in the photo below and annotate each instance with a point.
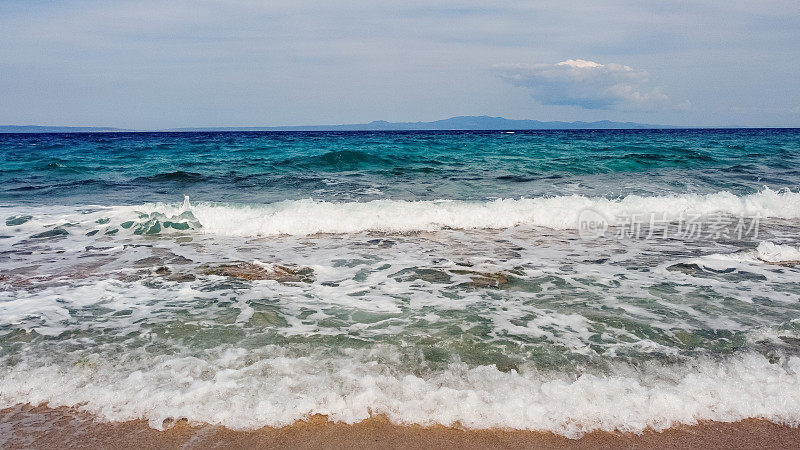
(46, 129)
(453, 123)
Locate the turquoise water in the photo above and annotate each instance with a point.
(127, 168)
(251, 279)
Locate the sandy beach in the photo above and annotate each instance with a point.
(25, 426)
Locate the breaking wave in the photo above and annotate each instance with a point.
(303, 217)
(233, 391)
(306, 217)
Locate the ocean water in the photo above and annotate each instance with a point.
(546, 280)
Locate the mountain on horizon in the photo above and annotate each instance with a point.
(453, 123)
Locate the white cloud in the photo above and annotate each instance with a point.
(154, 64)
(586, 84)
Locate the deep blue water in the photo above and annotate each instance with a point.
(264, 167)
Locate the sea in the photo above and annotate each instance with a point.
(565, 281)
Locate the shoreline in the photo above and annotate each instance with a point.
(26, 426)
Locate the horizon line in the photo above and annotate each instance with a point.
(383, 125)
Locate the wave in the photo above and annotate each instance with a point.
(338, 160)
(676, 155)
(178, 176)
(304, 217)
(239, 390)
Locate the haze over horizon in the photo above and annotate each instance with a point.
(476, 123)
(151, 65)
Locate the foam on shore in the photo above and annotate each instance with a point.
(240, 392)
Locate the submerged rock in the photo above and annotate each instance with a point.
(253, 272)
(161, 257)
(478, 279)
(484, 279)
(181, 277)
(495, 280)
(149, 261)
(429, 275)
(167, 274)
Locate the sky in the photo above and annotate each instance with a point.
(158, 64)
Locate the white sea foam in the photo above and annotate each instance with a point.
(72, 288)
(278, 390)
(776, 253)
(764, 254)
(303, 217)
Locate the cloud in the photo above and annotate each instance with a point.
(587, 84)
(156, 64)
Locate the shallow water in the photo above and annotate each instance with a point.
(439, 277)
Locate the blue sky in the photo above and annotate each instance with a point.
(158, 64)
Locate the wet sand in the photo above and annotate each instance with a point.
(25, 426)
